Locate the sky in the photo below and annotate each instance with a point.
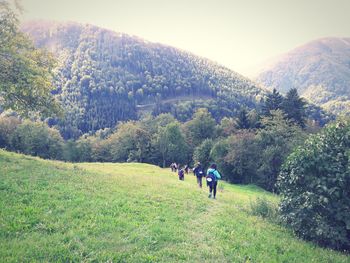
(240, 34)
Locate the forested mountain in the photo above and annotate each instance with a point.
(320, 70)
(103, 77)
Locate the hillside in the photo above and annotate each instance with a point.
(104, 77)
(320, 70)
(61, 212)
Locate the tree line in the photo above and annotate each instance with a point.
(248, 149)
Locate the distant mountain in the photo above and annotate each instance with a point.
(104, 77)
(320, 70)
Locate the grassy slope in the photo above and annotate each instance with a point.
(52, 211)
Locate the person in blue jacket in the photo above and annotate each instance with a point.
(212, 180)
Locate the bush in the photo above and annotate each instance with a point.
(8, 125)
(36, 138)
(315, 187)
(264, 208)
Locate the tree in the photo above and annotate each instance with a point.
(315, 186)
(242, 156)
(254, 119)
(25, 72)
(273, 102)
(202, 153)
(129, 143)
(243, 120)
(275, 141)
(218, 154)
(171, 145)
(294, 107)
(227, 126)
(201, 127)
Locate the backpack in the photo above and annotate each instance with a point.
(211, 177)
(181, 173)
(198, 171)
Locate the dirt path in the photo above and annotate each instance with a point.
(174, 100)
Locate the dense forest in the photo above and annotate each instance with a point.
(104, 77)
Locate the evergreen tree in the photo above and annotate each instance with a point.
(275, 142)
(294, 107)
(273, 101)
(254, 119)
(243, 120)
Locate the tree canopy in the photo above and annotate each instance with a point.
(25, 71)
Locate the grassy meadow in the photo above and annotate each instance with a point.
(93, 212)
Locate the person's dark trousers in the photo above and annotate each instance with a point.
(199, 181)
(212, 188)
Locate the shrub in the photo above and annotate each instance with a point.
(315, 187)
(8, 125)
(36, 138)
(261, 206)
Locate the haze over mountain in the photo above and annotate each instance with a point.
(104, 77)
(320, 70)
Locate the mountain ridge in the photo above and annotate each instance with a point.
(103, 75)
(319, 69)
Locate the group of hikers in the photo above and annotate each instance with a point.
(211, 176)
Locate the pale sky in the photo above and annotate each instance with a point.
(239, 34)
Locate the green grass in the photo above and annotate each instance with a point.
(57, 212)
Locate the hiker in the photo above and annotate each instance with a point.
(176, 166)
(181, 174)
(186, 168)
(172, 167)
(212, 180)
(199, 173)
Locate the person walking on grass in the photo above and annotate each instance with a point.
(212, 180)
(199, 173)
(186, 168)
(181, 174)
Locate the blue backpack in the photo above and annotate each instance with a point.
(211, 177)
